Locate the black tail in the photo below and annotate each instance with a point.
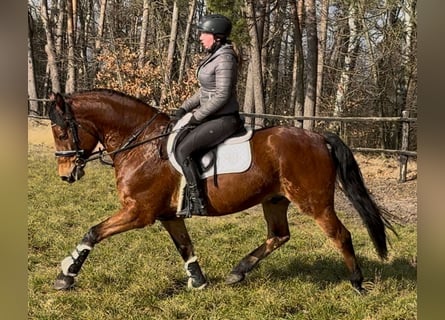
(354, 187)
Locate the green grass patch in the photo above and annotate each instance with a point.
(140, 275)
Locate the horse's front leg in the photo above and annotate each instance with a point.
(72, 264)
(180, 236)
(125, 219)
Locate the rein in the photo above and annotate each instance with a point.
(101, 153)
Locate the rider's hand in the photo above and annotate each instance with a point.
(193, 121)
(180, 112)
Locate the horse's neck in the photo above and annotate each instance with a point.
(114, 123)
(118, 135)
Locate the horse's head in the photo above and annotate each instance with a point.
(73, 142)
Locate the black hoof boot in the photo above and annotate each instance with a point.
(197, 280)
(63, 282)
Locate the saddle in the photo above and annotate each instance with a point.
(231, 156)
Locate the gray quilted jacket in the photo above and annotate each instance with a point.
(217, 77)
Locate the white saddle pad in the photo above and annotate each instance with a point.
(232, 156)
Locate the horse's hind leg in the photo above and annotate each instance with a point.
(275, 214)
(180, 236)
(337, 232)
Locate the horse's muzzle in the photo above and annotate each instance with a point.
(75, 175)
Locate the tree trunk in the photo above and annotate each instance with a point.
(409, 57)
(274, 58)
(59, 26)
(100, 26)
(311, 65)
(170, 54)
(186, 40)
(70, 79)
(297, 90)
(99, 35)
(32, 91)
(74, 15)
(321, 53)
(349, 61)
(49, 48)
(249, 102)
(405, 75)
(143, 37)
(86, 23)
(255, 51)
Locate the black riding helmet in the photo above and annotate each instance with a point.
(216, 24)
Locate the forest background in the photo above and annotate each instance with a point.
(298, 57)
(324, 58)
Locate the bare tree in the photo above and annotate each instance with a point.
(49, 47)
(143, 38)
(100, 25)
(408, 10)
(32, 90)
(61, 4)
(297, 90)
(321, 51)
(311, 63)
(170, 52)
(70, 80)
(274, 59)
(186, 39)
(98, 38)
(367, 57)
(349, 59)
(255, 68)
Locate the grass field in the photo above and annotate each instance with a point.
(139, 274)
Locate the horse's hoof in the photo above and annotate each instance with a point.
(194, 284)
(360, 290)
(197, 281)
(233, 278)
(63, 282)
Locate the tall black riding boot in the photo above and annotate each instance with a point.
(196, 203)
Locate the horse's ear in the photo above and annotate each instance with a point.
(59, 102)
(57, 109)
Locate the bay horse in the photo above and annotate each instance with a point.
(289, 164)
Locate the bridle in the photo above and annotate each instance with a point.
(71, 124)
(80, 161)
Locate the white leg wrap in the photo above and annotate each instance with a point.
(192, 259)
(68, 261)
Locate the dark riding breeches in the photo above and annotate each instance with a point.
(207, 135)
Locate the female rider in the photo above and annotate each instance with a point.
(214, 106)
